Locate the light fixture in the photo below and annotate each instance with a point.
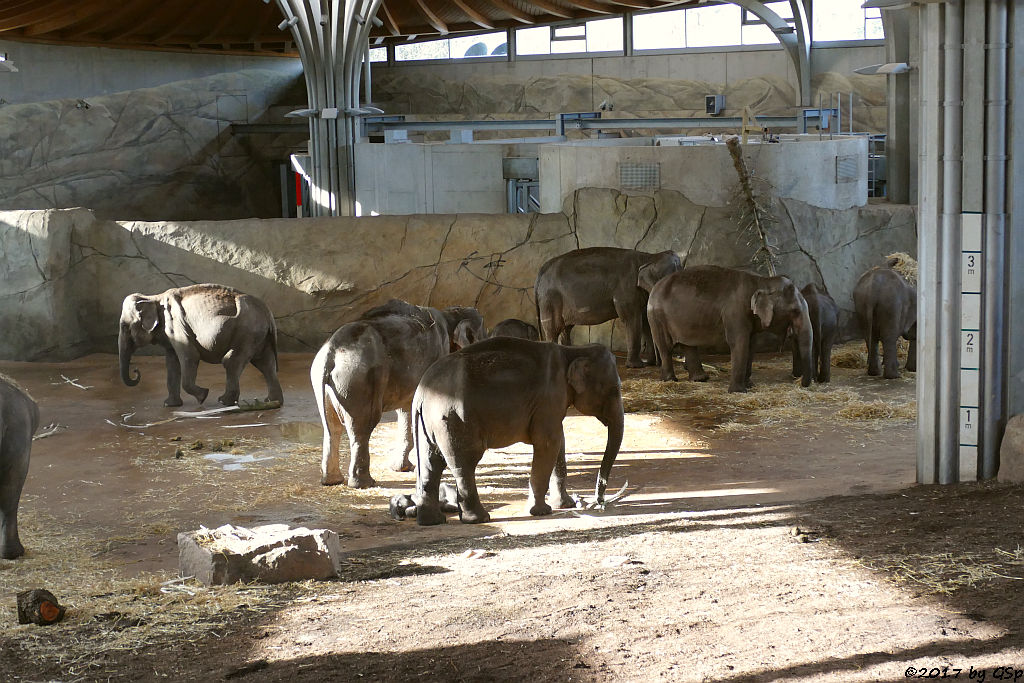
(363, 111)
(890, 68)
(301, 113)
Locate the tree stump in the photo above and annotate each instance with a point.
(40, 607)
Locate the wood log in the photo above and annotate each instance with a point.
(39, 606)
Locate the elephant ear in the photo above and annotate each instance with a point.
(148, 314)
(762, 306)
(647, 277)
(578, 374)
(463, 335)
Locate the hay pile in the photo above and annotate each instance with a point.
(776, 398)
(905, 265)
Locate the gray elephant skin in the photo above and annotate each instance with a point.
(886, 306)
(516, 328)
(824, 316)
(709, 306)
(372, 365)
(591, 286)
(207, 322)
(502, 391)
(19, 419)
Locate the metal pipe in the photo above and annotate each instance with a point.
(949, 261)
(994, 346)
(929, 191)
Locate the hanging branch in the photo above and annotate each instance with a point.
(756, 216)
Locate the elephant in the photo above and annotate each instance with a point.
(886, 305)
(709, 305)
(207, 322)
(513, 327)
(597, 284)
(19, 420)
(371, 366)
(825, 325)
(501, 391)
(403, 506)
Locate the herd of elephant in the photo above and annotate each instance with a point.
(459, 390)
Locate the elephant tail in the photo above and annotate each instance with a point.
(272, 341)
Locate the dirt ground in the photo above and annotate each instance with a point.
(772, 536)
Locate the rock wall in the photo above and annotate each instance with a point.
(65, 272)
(163, 153)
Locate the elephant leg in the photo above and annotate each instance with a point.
(693, 364)
(546, 445)
(565, 337)
(558, 496)
(739, 355)
(550, 326)
(648, 351)
(631, 320)
(825, 367)
(189, 369)
(663, 342)
(359, 431)
(330, 464)
(402, 463)
(234, 362)
(750, 367)
(890, 357)
(874, 367)
(428, 485)
(471, 510)
(266, 363)
(12, 476)
(911, 365)
(173, 379)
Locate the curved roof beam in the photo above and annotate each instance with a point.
(520, 16)
(474, 16)
(796, 42)
(431, 17)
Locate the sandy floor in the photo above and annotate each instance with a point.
(696, 575)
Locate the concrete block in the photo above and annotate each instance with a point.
(1011, 452)
(273, 553)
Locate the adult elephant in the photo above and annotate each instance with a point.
(594, 285)
(206, 322)
(886, 305)
(709, 305)
(824, 316)
(513, 327)
(371, 366)
(502, 391)
(19, 419)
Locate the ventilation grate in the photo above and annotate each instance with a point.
(637, 176)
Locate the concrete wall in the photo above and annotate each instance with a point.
(649, 85)
(162, 153)
(54, 72)
(705, 174)
(65, 272)
(398, 179)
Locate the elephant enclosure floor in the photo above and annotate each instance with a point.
(772, 535)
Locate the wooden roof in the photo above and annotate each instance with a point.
(251, 26)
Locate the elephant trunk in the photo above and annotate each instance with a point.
(805, 342)
(125, 348)
(614, 420)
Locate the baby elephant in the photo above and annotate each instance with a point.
(403, 506)
(501, 391)
(514, 327)
(887, 307)
(19, 419)
(208, 322)
(824, 323)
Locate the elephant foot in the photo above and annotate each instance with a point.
(474, 516)
(11, 551)
(225, 399)
(671, 377)
(200, 395)
(429, 514)
(634, 363)
(540, 509)
(173, 401)
(332, 480)
(823, 378)
(910, 368)
(651, 362)
(403, 465)
(874, 372)
(699, 377)
(361, 481)
(891, 375)
(741, 389)
(562, 501)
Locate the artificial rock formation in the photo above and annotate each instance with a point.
(65, 273)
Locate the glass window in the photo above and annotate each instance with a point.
(845, 20)
(599, 35)
(604, 35)
(433, 49)
(660, 30)
(533, 41)
(715, 26)
(484, 45)
(378, 54)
